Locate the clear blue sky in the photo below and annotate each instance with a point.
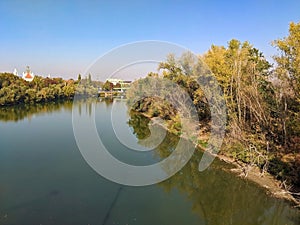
(64, 37)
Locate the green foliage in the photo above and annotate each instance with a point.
(107, 86)
(288, 61)
(263, 113)
(202, 143)
(89, 78)
(175, 127)
(15, 90)
(79, 78)
(139, 123)
(287, 87)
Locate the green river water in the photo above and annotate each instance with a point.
(45, 180)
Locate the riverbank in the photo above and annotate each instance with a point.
(266, 180)
(242, 170)
(16, 91)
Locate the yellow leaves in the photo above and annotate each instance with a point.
(288, 62)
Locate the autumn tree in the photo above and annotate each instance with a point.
(287, 73)
(107, 86)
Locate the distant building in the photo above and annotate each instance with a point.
(115, 81)
(15, 72)
(28, 75)
(119, 84)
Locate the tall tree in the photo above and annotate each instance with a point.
(242, 72)
(89, 78)
(288, 88)
(288, 61)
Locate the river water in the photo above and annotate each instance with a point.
(44, 178)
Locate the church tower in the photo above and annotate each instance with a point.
(28, 75)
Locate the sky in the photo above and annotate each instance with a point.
(63, 38)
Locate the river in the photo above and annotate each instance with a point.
(44, 178)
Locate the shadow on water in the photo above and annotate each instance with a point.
(111, 207)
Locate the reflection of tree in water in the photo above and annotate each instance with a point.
(20, 112)
(139, 123)
(108, 101)
(167, 144)
(23, 111)
(217, 196)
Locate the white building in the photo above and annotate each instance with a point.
(15, 72)
(114, 81)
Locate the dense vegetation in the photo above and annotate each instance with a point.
(14, 90)
(263, 122)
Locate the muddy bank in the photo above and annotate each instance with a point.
(274, 187)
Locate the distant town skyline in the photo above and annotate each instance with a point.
(63, 38)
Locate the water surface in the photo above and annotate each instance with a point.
(45, 180)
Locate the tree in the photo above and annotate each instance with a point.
(69, 91)
(288, 61)
(242, 72)
(118, 85)
(79, 78)
(89, 79)
(288, 86)
(107, 86)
